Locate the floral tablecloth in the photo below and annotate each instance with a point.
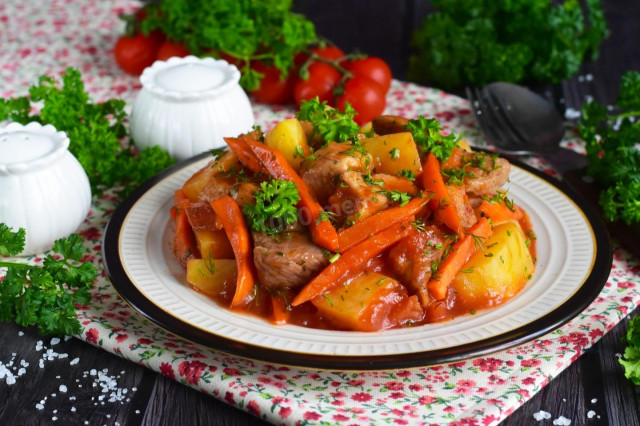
(45, 37)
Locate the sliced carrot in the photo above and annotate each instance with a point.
(500, 212)
(322, 231)
(281, 314)
(440, 202)
(184, 240)
(240, 146)
(352, 262)
(455, 260)
(236, 229)
(349, 237)
(179, 200)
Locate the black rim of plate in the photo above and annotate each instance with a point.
(556, 318)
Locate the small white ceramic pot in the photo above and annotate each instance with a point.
(43, 188)
(187, 105)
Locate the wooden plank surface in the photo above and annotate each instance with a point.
(381, 28)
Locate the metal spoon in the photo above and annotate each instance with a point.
(518, 121)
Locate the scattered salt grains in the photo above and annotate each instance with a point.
(6, 372)
(594, 400)
(73, 409)
(62, 389)
(20, 333)
(541, 415)
(591, 414)
(54, 341)
(39, 406)
(571, 114)
(562, 421)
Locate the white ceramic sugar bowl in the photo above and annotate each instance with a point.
(43, 188)
(187, 105)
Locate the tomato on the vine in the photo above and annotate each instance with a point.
(374, 68)
(332, 53)
(168, 50)
(365, 95)
(274, 89)
(134, 54)
(323, 78)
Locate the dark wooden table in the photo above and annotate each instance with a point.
(593, 383)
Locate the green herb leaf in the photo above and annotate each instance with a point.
(330, 124)
(11, 243)
(275, 207)
(428, 137)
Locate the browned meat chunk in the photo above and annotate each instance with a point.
(219, 185)
(287, 260)
(413, 257)
(460, 201)
(322, 174)
(358, 198)
(485, 173)
(388, 124)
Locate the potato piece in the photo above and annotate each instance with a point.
(213, 277)
(497, 273)
(196, 183)
(393, 153)
(214, 244)
(289, 138)
(463, 144)
(370, 302)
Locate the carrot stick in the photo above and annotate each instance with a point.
(180, 200)
(184, 240)
(236, 229)
(352, 262)
(440, 203)
(280, 313)
(241, 148)
(453, 263)
(349, 237)
(500, 212)
(322, 231)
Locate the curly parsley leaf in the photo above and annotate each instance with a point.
(631, 358)
(614, 159)
(11, 243)
(264, 30)
(329, 123)
(427, 133)
(275, 207)
(45, 295)
(475, 42)
(96, 131)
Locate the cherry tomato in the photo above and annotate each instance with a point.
(323, 78)
(134, 54)
(365, 95)
(328, 52)
(374, 68)
(168, 50)
(273, 89)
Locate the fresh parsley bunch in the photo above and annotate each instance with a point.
(631, 358)
(329, 123)
(426, 133)
(275, 207)
(264, 30)
(45, 295)
(95, 130)
(475, 42)
(614, 158)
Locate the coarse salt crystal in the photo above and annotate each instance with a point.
(594, 400)
(541, 415)
(20, 333)
(63, 389)
(73, 409)
(74, 361)
(54, 341)
(40, 406)
(93, 372)
(591, 414)
(562, 421)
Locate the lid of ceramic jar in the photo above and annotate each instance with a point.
(30, 147)
(190, 78)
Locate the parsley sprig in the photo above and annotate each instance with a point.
(275, 207)
(614, 159)
(329, 123)
(95, 130)
(45, 295)
(427, 133)
(248, 31)
(475, 42)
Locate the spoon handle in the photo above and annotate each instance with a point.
(565, 160)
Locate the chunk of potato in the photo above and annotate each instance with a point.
(394, 153)
(213, 277)
(496, 273)
(289, 138)
(214, 244)
(370, 302)
(196, 183)
(463, 144)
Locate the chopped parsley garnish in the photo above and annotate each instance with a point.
(275, 207)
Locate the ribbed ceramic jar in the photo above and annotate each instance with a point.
(187, 105)
(43, 188)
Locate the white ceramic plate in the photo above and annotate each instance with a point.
(574, 259)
